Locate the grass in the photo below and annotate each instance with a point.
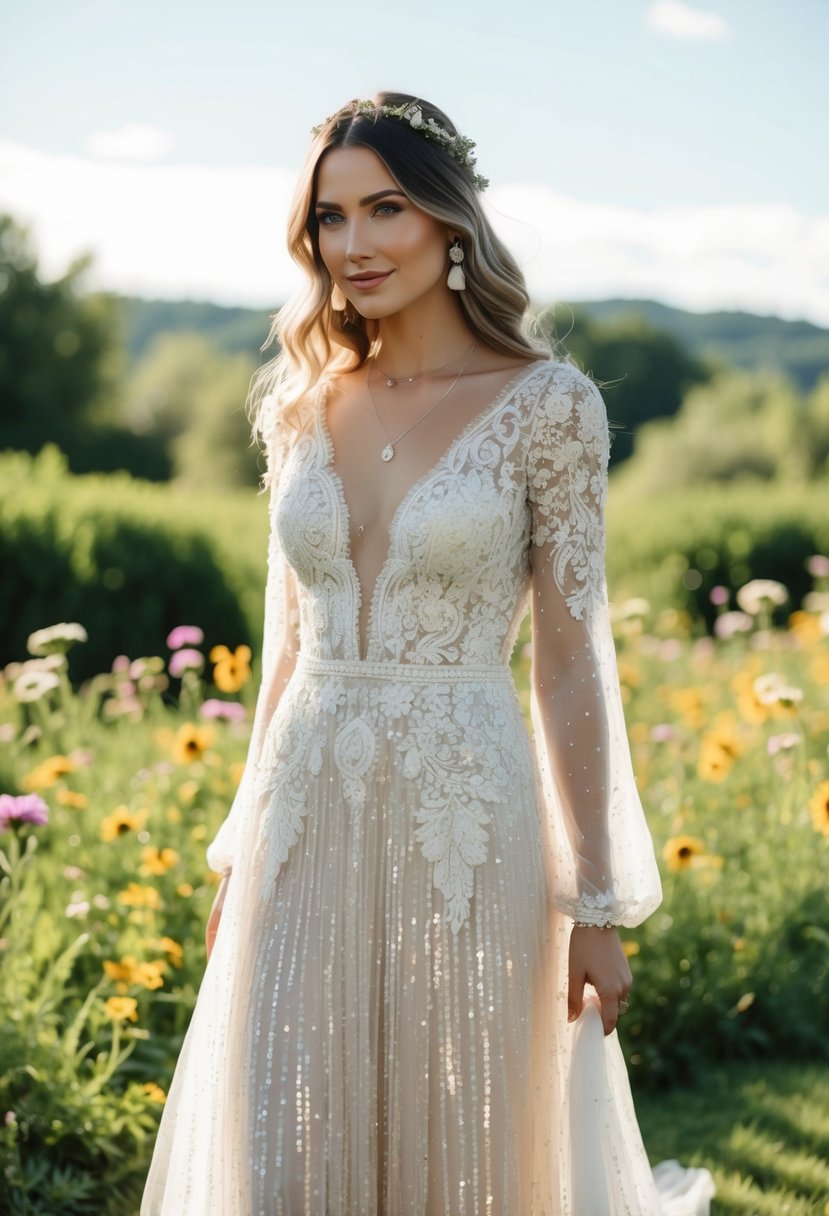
(761, 1128)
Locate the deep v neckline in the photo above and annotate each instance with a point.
(512, 386)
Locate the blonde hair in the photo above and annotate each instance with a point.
(315, 341)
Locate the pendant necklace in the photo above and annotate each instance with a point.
(393, 381)
(388, 451)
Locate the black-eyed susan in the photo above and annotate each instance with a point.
(719, 749)
(191, 742)
(156, 861)
(154, 1092)
(232, 667)
(47, 774)
(122, 1008)
(680, 852)
(819, 807)
(121, 821)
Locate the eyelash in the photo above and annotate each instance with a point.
(326, 215)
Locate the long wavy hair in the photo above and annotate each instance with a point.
(317, 342)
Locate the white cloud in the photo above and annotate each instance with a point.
(686, 24)
(135, 141)
(761, 257)
(206, 232)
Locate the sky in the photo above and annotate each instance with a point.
(666, 150)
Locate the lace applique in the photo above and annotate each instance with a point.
(567, 462)
(452, 742)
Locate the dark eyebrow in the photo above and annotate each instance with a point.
(364, 202)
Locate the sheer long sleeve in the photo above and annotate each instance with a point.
(280, 646)
(599, 851)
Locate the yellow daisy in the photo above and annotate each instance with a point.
(680, 852)
(232, 667)
(155, 861)
(136, 896)
(191, 742)
(121, 1008)
(155, 1093)
(121, 821)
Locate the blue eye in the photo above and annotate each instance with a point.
(392, 207)
(328, 215)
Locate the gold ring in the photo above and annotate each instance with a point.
(623, 1006)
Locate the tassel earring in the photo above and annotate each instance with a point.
(338, 300)
(457, 279)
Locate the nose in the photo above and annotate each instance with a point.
(358, 246)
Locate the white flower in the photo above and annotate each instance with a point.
(772, 689)
(729, 623)
(33, 685)
(759, 593)
(414, 115)
(56, 637)
(816, 601)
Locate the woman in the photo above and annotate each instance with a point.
(416, 933)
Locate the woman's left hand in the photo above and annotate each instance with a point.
(597, 958)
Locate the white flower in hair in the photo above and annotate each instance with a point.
(414, 115)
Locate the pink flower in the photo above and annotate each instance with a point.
(782, 743)
(185, 635)
(185, 660)
(662, 732)
(818, 565)
(25, 808)
(233, 711)
(719, 595)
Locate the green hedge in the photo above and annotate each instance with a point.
(675, 549)
(127, 559)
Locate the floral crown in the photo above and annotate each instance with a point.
(458, 146)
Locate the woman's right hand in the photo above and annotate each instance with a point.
(215, 914)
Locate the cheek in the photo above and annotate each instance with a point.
(422, 247)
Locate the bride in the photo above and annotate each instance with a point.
(415, 970)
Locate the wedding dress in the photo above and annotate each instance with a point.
(381, 1029)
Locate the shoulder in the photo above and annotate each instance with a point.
(566, 408)
(555, 384)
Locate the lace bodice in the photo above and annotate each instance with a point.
(511, 515)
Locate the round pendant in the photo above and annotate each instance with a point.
(391, 383)
(388, 452)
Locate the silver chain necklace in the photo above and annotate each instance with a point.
(388, 451)
(393, 381)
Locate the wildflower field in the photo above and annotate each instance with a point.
(109, 793)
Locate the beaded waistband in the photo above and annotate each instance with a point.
(369, 669)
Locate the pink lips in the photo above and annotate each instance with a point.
(364, 283)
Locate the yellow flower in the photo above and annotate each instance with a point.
(630, 948)
(738, 944)
(130, 971)
(136, 896)
(819, 806)
(232, 670)
(199, 832)
(184, 890)
(191, 742)
(805, 626)
(121, 821)
(155, 1093)
(187, 791)
(157, 861)
(71, 798)
(47, 774)
(718, 751)
(681, 852)
(172, 949)
(173, 814)
(690, 702)
(748, 702)
(120, 1008)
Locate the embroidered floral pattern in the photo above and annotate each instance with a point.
(448, 599)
